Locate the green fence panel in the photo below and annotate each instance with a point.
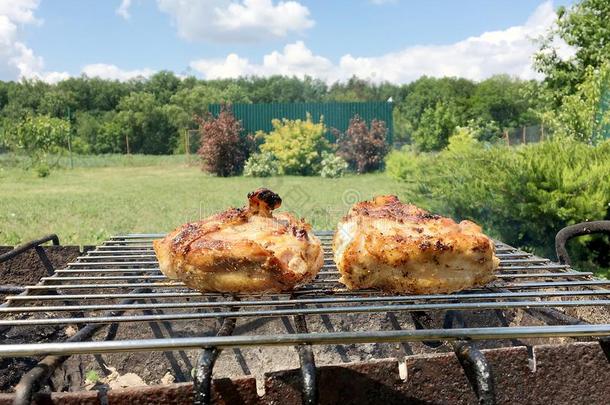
(255, 117)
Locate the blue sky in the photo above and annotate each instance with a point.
(333, 40)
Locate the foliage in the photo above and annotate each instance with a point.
(189, 102)
(297, 145)
(356, 89)
(223, 149)
(484, 131)
(363, 147)
(500, 99)
(426, 93)
(581, 115)
(162, 85)
(332, 165)
(521, 195)
(143, 125)
(37, 137)
(435, 126)
(153, 113)
(584, 27)
(92, 376)
(261, 165)
(42, 169)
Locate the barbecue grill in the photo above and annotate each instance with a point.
(119, 282)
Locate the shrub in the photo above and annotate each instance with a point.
(42, 169)
(223, 149)
(362, 147)
(38, 137)
(332, 165)
(521, 195)
(261, 165)
(297, 145)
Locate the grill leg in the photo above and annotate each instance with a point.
(477, 371)
(420, 320)
(308, 365)
(45, 260)
(202, 386)
(31, 382)
(473, 362)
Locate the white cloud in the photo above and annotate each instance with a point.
(504, 51)
(236, 20)
(19, 11)
(295, 60)
(123, 9)
(112, 72)
(16, 59)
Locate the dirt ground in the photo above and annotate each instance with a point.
(27, 269)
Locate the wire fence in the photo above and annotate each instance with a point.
(525, 134)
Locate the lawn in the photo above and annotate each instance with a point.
(87, 204)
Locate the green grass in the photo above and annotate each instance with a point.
(88, 204)
(106, 160)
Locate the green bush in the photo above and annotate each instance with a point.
(521, 195)
(332, 165)
(42, 169)
(297, 145)
(261, 165)
(38, 137)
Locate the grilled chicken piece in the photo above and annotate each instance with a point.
(246, 249)
(395, 247)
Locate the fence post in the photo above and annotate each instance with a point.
(186, 146)
(542, 131)
(127, 142)
(523, 135)
(507, 138)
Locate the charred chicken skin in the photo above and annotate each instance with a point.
(246, 249)
(395, 247)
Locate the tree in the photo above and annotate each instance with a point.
(500, 99)
(57, 103)
(425, 94)
(94, 94)
(435, 126)
(189, 103)
(356, 89)
(163, 85)
(145, 126)
(582, 115)
(282, 89)
(37, 137)
(584, 27)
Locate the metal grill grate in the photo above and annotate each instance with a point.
(119, 281)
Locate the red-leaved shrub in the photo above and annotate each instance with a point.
(223, 150)
(362, 147)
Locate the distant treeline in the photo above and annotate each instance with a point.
(150, 115)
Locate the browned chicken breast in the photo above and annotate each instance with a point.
(385, 244)
(246, 249)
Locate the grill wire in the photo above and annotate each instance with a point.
(111, 284)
